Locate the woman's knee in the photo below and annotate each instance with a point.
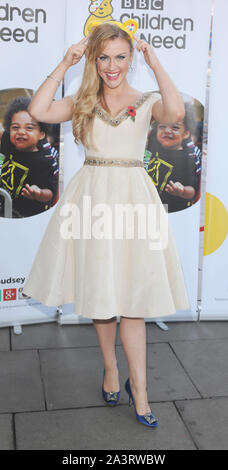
(103, 321)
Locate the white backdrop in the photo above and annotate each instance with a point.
(25, 64)
(183, 38)
(215, 261)
(181, 30)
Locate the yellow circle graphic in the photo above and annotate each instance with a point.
(216, 224)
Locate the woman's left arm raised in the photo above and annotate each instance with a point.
(171, 108)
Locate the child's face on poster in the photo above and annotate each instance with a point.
(171, 136)
(25, 132)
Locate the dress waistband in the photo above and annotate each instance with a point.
(112, 162)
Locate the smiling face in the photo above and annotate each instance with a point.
(171, 137)
(25, 132)
(113, 62)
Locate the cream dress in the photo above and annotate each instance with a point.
(105, 277)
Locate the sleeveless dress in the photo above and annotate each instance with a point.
(81, 260)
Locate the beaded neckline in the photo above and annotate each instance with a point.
(115, 121)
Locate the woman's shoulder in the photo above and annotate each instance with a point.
(150, 97)
(154, 94)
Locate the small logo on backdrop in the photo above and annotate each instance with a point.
(20, 293)
(100, 11)
(143, 4)
(9, 294)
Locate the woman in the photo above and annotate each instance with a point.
(106, 277)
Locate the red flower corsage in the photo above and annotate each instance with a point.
(131, 112)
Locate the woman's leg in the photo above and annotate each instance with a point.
(106, 333)
(133, 338)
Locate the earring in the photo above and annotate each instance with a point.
(130, 68)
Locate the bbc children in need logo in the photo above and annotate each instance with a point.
(150, 14)
(143, 4)
(28, 19)
(155, 26)
(152, 19)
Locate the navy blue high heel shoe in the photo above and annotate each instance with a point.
(111, 398)
(148, 419)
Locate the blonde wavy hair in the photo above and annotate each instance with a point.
(91, 89)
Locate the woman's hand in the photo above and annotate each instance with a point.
(43, 107)
(148, 51)
(171, 108)
(75, 52)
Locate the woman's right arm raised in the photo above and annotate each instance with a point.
(42, 106)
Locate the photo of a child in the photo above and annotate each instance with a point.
(173, 160)
(29, 169)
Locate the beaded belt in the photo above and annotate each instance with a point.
(112, 162)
